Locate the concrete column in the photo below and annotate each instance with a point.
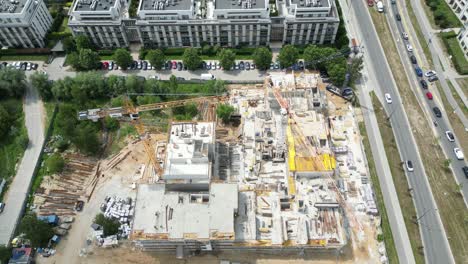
(309, 31)
(335, 30)
(301, 33)
(179, 38)
(189, 27)
(5, 38)
(314, 40)
(244, 33)
(163, 28)
(28, 38)
(204, 33)
(324, 31)
(114, 37)
(211, 35)
(268, 35)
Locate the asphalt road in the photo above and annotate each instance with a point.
(436, 247)
(18, 190)
(443, 123)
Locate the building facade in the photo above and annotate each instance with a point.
(24, 23)
(463, 40)
(460, 8)
(192, 23)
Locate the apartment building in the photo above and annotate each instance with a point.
(463, 40)
(460, 8)
(23, 23)
(184, 23)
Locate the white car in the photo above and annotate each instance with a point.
(28, 67)
(430, 73)
(450, 136)
(409, 47)
(409, 165)
(388, 98)
(458, 153)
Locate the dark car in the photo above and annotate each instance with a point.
(184, 67)
(433, 78)
(24, 65)
(301, 65)
(398, 17)
(418, 71)
(437, 111)
(2, 206)
(423, 84)
(79, 205)
(413, 59)
(168, 65)
(145, 65)
(180, 78)
(247, 66)
(179, 66)
(203, 65)
(241, 65)
(134, 65)
(465, 170)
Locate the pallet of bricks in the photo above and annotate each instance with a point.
(122, 210)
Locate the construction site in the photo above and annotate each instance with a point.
(286, 175)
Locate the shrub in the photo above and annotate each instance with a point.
(110, 225)
(54, 164)
(458, 59)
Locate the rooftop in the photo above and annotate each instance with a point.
(187, 151)
(240, 4)
(178, 215)
(310, 3)
(166, 4)
(12, 6)
(94, 5)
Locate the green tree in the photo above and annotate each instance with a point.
(82, 42)
(65, 121)
(111, 123)
(89, 59)
(226, 58)
(191, 59)
(43, 84)
(55, 163)
(5, 254)
(123, 58)
(337, 73)
(262, 58)
(109, 225)
(73, 59)
(355, 68)
(12, 83)
(288, 56)
(224, 112)
(313, 56)
(5, 121)
(156, 58)
(38, 232)
(173, 84)
(142, 53)
(69, 44)
(86, 138)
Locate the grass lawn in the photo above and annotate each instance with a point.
(463, 82)
(453, 48)
(26, 57)
(386, 230)
(451, 206)
(11, 150)
(64, 27)
(448, 19)
(458, 98)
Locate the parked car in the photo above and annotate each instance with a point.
(465, 171)
(179, 66)
(430, 73)
(2, 207)
(277, 65)
(370, 3)
(450, 136)
(413, 59)
(111, 65)
(437, 111)
(458, 153)
(139, 65)
(429, 95)
(236, 66)
(405, 35)
(247, 66)
(35, 66)
(418, 71)
(272, 66)
(241, 66)
(28, 66)
(388, 98)
(398, 17)
(409, 165)
(180, 78)
(79, 205)
(301, 65)
(203, 65)
(409, 47)
(423, 83)
(252, 66)
(144, 65)
(433, 78)
(24, 65)
(208, 66)
(218, 66)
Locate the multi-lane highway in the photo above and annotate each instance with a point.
(436, 247)
(441, 125)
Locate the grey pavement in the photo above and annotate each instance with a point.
(18, 190)
(392, 204)
(436, 248)
(443, 123)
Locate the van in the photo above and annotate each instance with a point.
(380, 6)
(207, 76)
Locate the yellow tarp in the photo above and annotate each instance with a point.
(329, 162)
(291, 150)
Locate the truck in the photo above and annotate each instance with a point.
(380, 6)
(50, 219)
(207, 76)
(355, 46)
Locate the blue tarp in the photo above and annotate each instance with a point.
(50, 219)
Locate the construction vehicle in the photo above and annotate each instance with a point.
(20, 241)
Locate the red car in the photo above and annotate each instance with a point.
(429, 95)
(174, 65)
(105, 65)
(370, 3)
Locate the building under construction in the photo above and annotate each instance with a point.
(275, 185)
